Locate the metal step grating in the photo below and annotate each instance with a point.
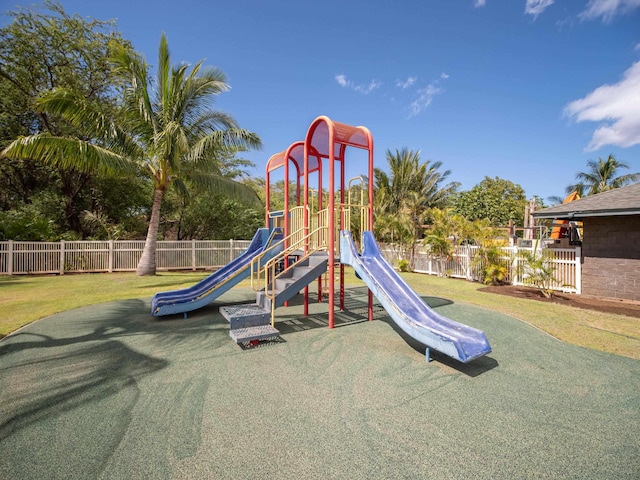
(253, 333)
(242, 310)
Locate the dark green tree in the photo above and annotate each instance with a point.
(43, 49)
(217, 217)
(495, 199)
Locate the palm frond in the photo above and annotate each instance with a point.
(226, 187)
(133, 69)
(72, 153)
(234, 139)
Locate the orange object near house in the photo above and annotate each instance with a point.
(559, 231)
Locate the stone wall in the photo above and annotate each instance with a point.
(611, 257)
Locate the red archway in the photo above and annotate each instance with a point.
(329, 140)
(325, 143)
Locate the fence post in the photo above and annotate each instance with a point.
(10, 258)
(467, 257)
(578, 265)
(231, 247)
(61, 257)
(110, 260)
(515, 265)
(193, 254)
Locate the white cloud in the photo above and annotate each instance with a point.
(607, 9)
(425, 97)
(617, 106)
(365, 89)
(404, 84)
(536, 7)
(479, 3)
(368, 88)
(342, 80)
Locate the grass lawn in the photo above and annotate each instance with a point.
(24, 299)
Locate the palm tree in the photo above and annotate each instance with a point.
(445, 233)
(165, 130)
(409, 189)
(408, 174)
(602, 176)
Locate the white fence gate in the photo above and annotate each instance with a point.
(20, 258)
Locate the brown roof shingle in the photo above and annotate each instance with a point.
(619, 201)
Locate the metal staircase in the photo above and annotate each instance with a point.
(256, 321)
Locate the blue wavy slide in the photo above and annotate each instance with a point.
(405, 306)
(210, 288)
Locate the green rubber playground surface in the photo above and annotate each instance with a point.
(109, 392)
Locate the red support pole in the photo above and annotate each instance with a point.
(286, 200)
(331, 226)
(305, 216)
(370, 141)
(342, 226)
(319, 209)
(267, 194)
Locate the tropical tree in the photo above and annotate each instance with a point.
(489, 258)
(496, 199)
(602, 176)
(165, 130)
(446, 231)
(404, 195)
(449, 230)
(537, 269)
(43, 48)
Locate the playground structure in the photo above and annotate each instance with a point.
(308, 238)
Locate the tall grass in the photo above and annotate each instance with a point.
(24, 299)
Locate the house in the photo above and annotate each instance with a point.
(611, 240)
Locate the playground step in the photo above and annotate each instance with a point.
(297, 277)
(302, 263)
(246, 316)
(260, 332)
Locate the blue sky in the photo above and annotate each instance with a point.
(526, 90)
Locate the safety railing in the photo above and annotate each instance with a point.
(264, 276)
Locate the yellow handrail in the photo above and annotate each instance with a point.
(269, 268)
(315, 240)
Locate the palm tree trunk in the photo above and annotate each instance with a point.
(147, 263)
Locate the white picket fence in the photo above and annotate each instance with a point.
(20, 258)
(566, 264)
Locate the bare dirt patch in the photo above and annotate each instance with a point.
(620, 307)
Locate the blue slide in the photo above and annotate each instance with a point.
(210, 288)
(406, 308)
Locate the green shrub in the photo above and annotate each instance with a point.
(538, 270)
(403, 265)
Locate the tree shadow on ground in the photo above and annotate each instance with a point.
(110, 321)
(72, 377)
(88, 356)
